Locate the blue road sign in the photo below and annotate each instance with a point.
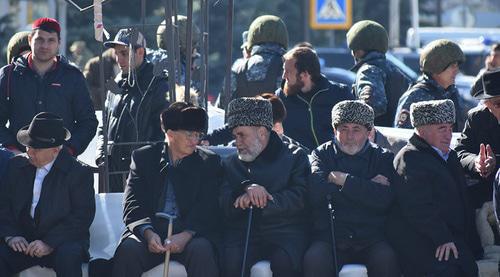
(330, 14)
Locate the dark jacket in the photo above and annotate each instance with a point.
(426, 89)
(481, 127)
(62, 91)
(66, 207)
(309, 121)
(280, 219)
(133, 116)
(380, 84)
(195, 178)
(361, 206)
(431, 209)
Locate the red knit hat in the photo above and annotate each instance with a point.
(46, 24)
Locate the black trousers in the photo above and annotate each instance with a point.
(379, 258)
(281, 263)
(132, 258)
(66, 260)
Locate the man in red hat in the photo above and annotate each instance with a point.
(46, 203)
(43, 81)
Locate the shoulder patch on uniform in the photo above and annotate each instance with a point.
(403, 117)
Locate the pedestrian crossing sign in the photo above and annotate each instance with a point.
(330, 14)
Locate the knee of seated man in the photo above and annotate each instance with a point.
(70, 252)
(201, 247)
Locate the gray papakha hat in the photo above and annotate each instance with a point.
(248, 111)
(351, 111)
(432, 112)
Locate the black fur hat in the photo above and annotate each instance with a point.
(184, 116)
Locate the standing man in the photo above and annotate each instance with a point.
(491, 63)
(439, 63)
(479, 146)
(309, 98)
(430, 227)
(133, 105)
(357, 176)
(267, 41)
(180, 179)
(268, 178)
(42, 81)
(46, 203)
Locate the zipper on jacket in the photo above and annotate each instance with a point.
(311, 117)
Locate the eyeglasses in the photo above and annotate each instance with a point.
(193, 135)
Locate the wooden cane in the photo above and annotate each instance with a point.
(167, 254)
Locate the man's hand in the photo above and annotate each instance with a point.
(243, 201)
(258, 195)
(337, 178)
(176, 243)
(485, 162)
(381, 179)
(38, 249)
(18, 244)
(154, 242)
(443, 251)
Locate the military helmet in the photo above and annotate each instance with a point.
(367, 35)
(267, 28)
(439, 54)
(161, 34)
(18, 43)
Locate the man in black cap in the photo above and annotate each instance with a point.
(133, 105)
(180, 179)
(46, 203)
(431, 224)
(479, 145)
(43, 81)
(270, 176)
(357, 176)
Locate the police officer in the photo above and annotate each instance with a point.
(378, 82)
(267, 43)
(439, 62)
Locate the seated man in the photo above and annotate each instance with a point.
(176, 178)
(46, 203)
(268, 176)
(479, 145)
(430, 227)
(356, 175)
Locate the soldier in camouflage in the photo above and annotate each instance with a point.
(439, 62)
(261, 72)
(379, 83)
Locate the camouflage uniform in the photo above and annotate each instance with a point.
(427, 89)
(380, 85)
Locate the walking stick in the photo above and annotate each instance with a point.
(247, 239)
(170, 219)
(332, 218)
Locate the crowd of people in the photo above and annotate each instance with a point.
(311, 185)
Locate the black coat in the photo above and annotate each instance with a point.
(481, 127)
(361, 207)
(66, 207)
(62, 91)
(309, 121)
(195, 179)
(431, 209)
(283, 170)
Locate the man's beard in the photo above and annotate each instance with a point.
(252, 152)
(294, 89)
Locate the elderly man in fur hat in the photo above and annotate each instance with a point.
(177, 178)
(267, 178)
(46, 203)
(356, 175)
(431, 224)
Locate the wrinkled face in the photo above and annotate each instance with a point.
(41, 157)
(250, 141)
(122, 57)
(447, 77)
(351, 137)
(493, 104)
(182, 143)
(293, 80)
(437, 135)
(44, 45)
